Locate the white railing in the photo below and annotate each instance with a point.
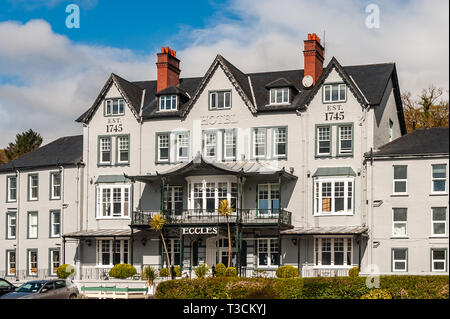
(324, 272)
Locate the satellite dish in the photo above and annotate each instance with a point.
(307, 81)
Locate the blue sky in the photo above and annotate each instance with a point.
(52, 74)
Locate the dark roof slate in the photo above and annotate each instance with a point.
(63, 151)
(419, 142)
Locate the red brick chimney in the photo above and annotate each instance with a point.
(168, 69)
(313, 54)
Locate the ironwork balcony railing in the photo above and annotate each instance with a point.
(200, 216)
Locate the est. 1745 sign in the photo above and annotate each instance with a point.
(334, 112)
(114, 126)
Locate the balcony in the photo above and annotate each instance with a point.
(276, 217)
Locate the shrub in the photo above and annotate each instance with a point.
(416, 287)
(122, 271)
(231, 272)
(177, 271)
(289, 288)
(220, 270)
(149, 274)
(377, 294)
(287, 272)
(65, 271)
(164, 272)
(334, 288)
(353, 272)
(201, 271)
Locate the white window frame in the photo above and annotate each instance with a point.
(433, 179)
(173, 247)
(394, 222)
(105, 148)
(9, 263)
(31, 186)
(271, 210)
(121, 148)
(100, 191)
(158, 141)
(182, 141)
(31, 226)
(438, 260)
(405, 180)
(207, 145)
(171, 199)
(233, 145)
(269, 252)
(277, 140)
(263, 143)
(318, 201)
(53, 185)
(120, 108)
(11, 216)
(29, 267)
(318, 251)
(393, 260)
(330, 86)
(318, 128)
(215, 95)
(9, 189)
(285, 95)
(340, 150)
(99, 251)
(164, 99)
(53, 223)
(52, 265)
(433, 222)
(210, 179)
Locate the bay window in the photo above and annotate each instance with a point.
(279, 96)
(333, 251)
(280, 142)
(333, 196)
(113, 201)
(163, 141)
(206, 195)
(439, 178)
(111, 252)
(268, 252)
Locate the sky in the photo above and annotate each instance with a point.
(50, 74)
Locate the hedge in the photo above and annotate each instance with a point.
(122, 271)
(397, 287)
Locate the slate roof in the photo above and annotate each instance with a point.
(419, 142)
(63, 151)
(368, 82)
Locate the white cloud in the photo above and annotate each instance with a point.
(55, 79)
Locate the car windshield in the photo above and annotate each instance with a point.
(30, 287)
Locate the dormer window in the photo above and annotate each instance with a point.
(279, 96)
(219, 100)
(334, 93)
(114, 107)
(168, 103)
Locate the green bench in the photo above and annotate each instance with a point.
(112, 292)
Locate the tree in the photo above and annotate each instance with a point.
(226, 211)
(3, 158)
(428, 110)
(157, 223)
(25, 142)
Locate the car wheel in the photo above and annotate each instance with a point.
(73, 296)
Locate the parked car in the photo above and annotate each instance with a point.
(43, 289)
(6, 287)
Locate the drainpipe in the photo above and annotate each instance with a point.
(63, 253)
(17, 222)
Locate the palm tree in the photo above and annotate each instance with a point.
(157, 223)
(226, 210)
(25, 142)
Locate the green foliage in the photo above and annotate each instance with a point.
(377, 294)
(334, 288)
(416, 287)
(231, 272)
(149, 273)
(177, 271)
(25, 142)
(221, 270)
(201, 271)
(122, 271)
(354, 272)
(65, 271)
(164, 272)
(287, 272)
(289, 288)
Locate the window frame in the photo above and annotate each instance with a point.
(444, 192)
(158, 158)
(339, 140)
(165, 97)
(52, 185)
(52, 223)
(118, 150)
(347, 181)
(224, 144)
(9, 189)
(30, 187)
(270, 210)
(99, 251)
(173, 248)
(99, 200)
(187, 135)
(205, 145)
(317, 145)
(110, 114)
(318, 251)
(339, 100)
(8, 273)
(432, 260)
(29, 213)
(274, 143)
(191, 193)
(439, 222)
(273, 93)
(399, 222)
(216, 92)
(51, 267)
(253, 143)
(393, 260)
(9, 215)
(100, 151)
(269, 252)
(400, 180)
(29, 268)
